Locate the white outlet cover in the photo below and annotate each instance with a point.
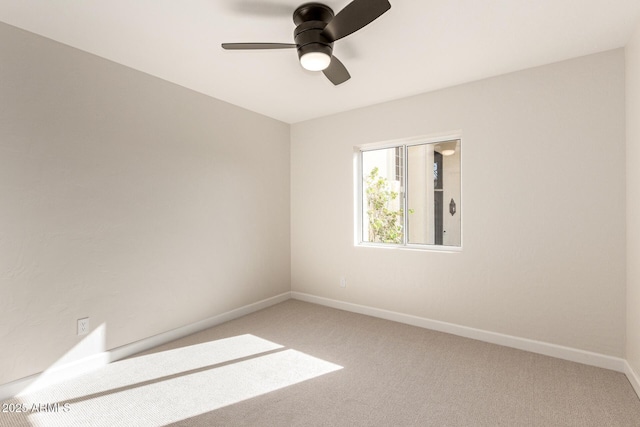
(83, 326)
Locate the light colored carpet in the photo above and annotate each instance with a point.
(299, 364)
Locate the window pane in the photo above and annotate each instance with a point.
(382, 194)
(433, 193)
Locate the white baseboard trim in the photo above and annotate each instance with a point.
(92, 362)
(165, 337)
(547, 349)
(87, 364)
(634, 379)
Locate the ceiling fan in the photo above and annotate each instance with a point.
(317, 28)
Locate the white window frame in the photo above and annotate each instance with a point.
(359, 196)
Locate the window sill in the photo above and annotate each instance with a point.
(420, 248)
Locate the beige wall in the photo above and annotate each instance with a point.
(146, 206)
(136, 202)
(633, 201)
(543, 200)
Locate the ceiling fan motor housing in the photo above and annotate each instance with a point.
(311, 18)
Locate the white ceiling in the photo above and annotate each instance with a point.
(417, 46)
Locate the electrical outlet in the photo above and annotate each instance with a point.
(343, 282)
(83, 326)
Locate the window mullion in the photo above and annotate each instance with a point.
(405, 195)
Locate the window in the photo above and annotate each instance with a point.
(410, 194)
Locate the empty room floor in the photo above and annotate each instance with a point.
(302, 364)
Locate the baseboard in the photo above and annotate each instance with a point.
(163, 338)
(78, 367)
(87, 364)
(634, 379)
(547, 349)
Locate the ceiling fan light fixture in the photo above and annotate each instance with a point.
(315, 61)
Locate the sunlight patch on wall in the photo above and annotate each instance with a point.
(89, 354)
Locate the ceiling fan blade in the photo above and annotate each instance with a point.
(354, 16)
(245, 46)
(336, 72)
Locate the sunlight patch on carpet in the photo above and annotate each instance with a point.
(173, 385)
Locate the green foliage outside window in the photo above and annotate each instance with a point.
(385, 224)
